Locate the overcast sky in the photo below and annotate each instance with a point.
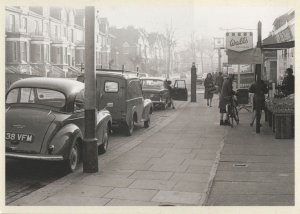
(202, 18)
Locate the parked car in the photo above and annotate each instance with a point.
(122, 92)
(45, 121)
(179, 91)
(155, 88)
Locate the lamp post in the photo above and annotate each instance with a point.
(90, 151)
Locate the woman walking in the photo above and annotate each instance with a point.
(209, 89)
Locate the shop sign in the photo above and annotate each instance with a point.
(239, 41)
(218, 43)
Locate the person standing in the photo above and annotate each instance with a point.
(288, 83)
(169, 87)
(219, 82)
(259, 88)
(209, 89)
(226, 94)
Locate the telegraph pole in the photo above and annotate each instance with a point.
(90, 151)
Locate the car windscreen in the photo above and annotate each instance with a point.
(41, 96)
(152, 84)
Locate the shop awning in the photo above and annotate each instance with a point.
(279, 46)
(251, 56)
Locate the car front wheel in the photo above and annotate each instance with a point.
(103, 147)
(73, 160)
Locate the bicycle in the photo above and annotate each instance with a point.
(232, 110)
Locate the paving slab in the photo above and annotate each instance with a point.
(151, 175)
(152, 184)
(118, 202)
(178, 197)
(107, 181)
(252, 188)
(251, 200)
(73, 201)
(131, 194)
(190, 186)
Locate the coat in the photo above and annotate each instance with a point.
(226, 93)
(208, 84)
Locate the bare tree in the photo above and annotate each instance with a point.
(171, 43)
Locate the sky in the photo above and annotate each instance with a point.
(204, 19)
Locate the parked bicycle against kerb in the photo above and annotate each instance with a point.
(232, 110)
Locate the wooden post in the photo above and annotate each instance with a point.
(90, 150)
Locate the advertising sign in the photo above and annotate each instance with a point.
(218, 43)
(239, 41)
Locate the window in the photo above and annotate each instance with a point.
(36, 26)
(72, 35)
(24, 24)
(65, 32)
(14, 51)
(111, 87)
(179, 84)
(56, 31)
(153, 84)
(79, 101)
(40, 96)
(12, 96)
(24, 51)
(12, 23)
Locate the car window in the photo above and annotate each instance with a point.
(12, 96)
(111, 87)
(138, 89)
(152, 84)
(41, 96)
(179, 84)
(79, 101)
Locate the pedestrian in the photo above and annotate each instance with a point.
(288, 83)
(169, 87)
(226, 94)
(209, 89)
(259, 88)
(219, 82)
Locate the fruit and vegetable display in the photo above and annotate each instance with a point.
(285, 105)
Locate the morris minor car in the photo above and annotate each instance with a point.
(121, 91)
(45, 121)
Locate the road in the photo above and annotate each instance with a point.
(25, 176)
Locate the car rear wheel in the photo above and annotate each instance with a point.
(103, 147)
(129, 127)
(74, 158)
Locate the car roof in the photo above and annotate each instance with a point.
(66, 86)
(121, 75)
(153, 78)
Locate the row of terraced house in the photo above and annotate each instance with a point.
(49, 41)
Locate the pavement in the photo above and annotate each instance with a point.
(186, 160)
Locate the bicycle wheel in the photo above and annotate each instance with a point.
(236, 115)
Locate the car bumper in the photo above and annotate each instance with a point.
(34, 156)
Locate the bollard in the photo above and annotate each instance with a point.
(193, 83)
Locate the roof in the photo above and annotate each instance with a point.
(59, 84)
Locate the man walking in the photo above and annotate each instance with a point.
(225, 96)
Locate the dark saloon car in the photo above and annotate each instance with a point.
(121, 91)
(155, 88)
(45, 121)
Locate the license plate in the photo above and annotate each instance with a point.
(19, 137)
